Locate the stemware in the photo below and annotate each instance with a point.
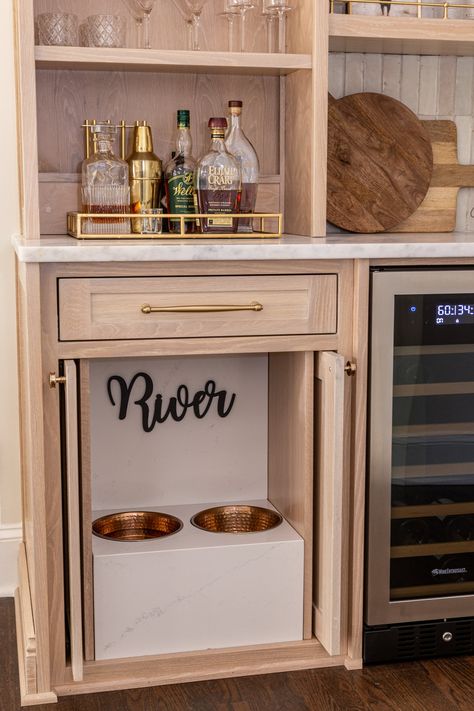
(237, 9)
(141, 11)
(277, 9)
(138, 17)
(191, 12)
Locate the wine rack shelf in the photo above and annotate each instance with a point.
(437, 588)
(400, 35)
(433, 510)
(431, 549)
(157, 60)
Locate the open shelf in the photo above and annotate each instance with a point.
(400, 35)
(168, 60)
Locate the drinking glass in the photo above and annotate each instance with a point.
(237, 9)
(153, 224)
(141, 11)
(138, 17)
(191, 13)
(57, 28)
(278, 9)
(104, 31)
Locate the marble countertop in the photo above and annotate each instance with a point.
(380, 246)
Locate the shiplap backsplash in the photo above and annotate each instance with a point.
(433, 87)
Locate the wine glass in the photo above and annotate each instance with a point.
(279, 9)
(141, 10)
(271, 20)
(234, 9)
(191, 12)
(138, 17)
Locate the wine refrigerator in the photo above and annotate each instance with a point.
(419, 599)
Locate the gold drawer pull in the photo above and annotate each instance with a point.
(196, 309)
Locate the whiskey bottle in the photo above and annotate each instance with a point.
(105, 187)
(218, 183)
(145, 174)
(179, 177)
(239, 145)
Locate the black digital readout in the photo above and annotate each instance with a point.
(432, 319)
(452, 314)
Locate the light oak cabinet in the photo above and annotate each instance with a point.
(309, 464)
(311, 325)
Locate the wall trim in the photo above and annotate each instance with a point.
(10, 539)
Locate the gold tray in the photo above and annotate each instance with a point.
(136, 525)
(74, 226)
(419, 4)
(236, 519)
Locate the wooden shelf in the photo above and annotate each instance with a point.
(434, 470)
(449, 429)
(417, 550)
(400, 35)
(427, 510)
(434, 590)
(160, 60)
(425, 389)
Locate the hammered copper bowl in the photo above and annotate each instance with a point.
(136, 525)
(236, 519)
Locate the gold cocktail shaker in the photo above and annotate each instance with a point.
(145, 174)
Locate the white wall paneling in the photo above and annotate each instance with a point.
(10, 507)
(433, 87)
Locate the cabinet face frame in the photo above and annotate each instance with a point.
(306, 654)
(303, 105)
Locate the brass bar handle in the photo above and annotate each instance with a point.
(197, 309)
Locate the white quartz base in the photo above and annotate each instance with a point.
(197, 590)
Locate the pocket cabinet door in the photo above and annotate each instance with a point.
(73, 518)
(329, 423)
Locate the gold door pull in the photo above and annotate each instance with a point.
(56, 380)
(198, 309)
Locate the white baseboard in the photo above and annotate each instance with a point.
(10, 539)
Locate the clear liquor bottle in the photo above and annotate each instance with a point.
(105, 187)
(179, 177)
(239, 145)
(218, 183)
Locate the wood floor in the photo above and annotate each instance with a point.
(441, 685)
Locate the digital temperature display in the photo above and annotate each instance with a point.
(434, 319)
(452, 314)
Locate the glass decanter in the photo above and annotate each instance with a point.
(218, 183)
(240, 147)
(179, 177)
(105, 184)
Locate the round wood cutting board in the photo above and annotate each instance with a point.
(380, 162)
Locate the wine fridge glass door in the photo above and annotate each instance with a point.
(421, 491)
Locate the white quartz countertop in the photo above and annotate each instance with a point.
(380, 246)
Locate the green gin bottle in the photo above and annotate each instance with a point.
(179, 177)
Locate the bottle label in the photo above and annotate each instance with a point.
(181, 193)
(220, 221)
(221, 176)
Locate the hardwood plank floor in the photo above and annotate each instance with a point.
(440, 685)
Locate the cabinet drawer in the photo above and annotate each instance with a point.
(116, 308)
